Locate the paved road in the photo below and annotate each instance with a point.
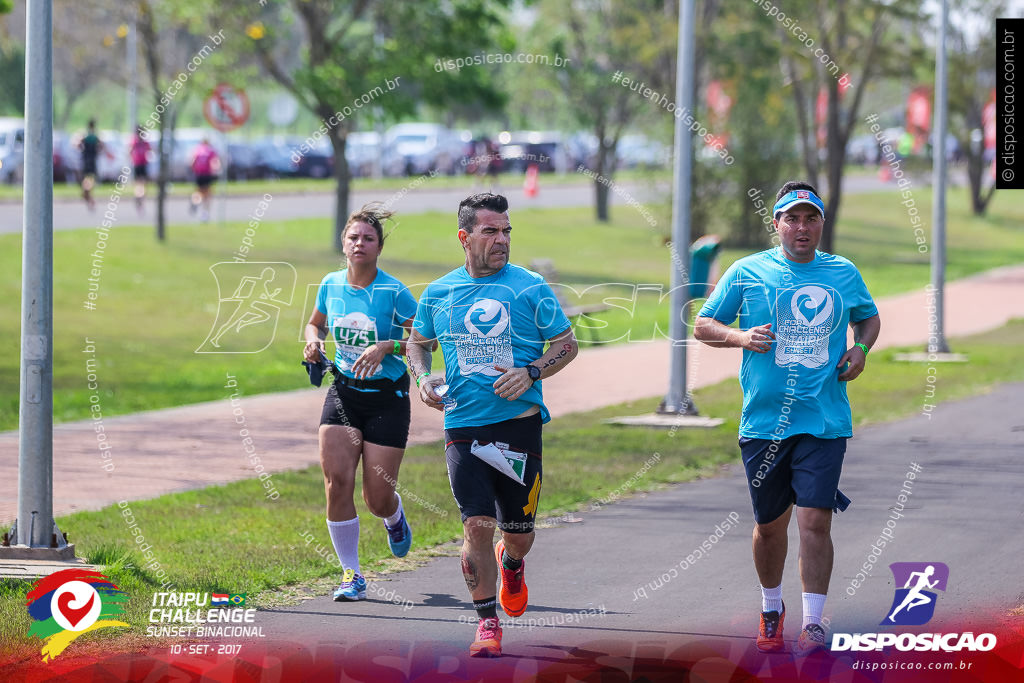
(961, 505)
(72, 214)
(647, 608)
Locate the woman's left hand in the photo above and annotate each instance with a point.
(370, 359)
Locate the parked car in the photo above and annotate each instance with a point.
(582, 149)
(544, 149)
(63, 167)
(113, 158)
(314, 163)
(418, 148)
(243, 162)
(362, 151)
(274, 160)
(185, 142)
(638, 151)
(12, 149)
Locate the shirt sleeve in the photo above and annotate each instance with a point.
(863, 306)
(424, 323)
(405, 306)
(724, 303)
(551, 320)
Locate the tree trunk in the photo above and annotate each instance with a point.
(605, 170)
(835, 197)
(342, 187)
(975, 174)
(165, 153)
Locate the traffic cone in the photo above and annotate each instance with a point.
(530, 185)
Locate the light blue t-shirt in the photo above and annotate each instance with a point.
(358, 317)
(502, 319)
(794, 387)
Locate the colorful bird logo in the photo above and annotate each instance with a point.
(68, 603)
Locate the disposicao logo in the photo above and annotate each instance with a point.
(918, 579)
(68, 603)
(914, 605)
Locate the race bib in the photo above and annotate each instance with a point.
(353, 333)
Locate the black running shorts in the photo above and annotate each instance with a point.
(481, 490)
(381, 416)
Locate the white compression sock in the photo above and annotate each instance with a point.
(771, 599)
(393, 519)
(814, 605)
(345, 537)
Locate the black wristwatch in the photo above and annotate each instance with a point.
(534, 372)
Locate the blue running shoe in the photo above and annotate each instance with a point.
(399, 537)
(353, 587)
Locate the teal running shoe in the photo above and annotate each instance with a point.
(353, 587)
(399, 537)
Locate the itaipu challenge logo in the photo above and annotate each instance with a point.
(69, 603)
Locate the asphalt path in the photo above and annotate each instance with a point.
(614, 567)
(416, 197)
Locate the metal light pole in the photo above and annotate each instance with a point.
(676, 400)
(34, 534)
(939, 187)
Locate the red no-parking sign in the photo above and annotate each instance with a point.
(226, 108)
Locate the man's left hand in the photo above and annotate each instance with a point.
(856, 358)
(513, 383)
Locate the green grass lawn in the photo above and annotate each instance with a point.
(156, 303)
(232, 538)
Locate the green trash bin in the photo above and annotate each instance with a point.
(703, 253)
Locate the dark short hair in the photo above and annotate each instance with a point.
(373, 214)
(484, 200)
(794, 185)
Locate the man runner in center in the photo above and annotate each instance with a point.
(492, 319)
(794, 304)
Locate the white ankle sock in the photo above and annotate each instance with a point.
(345, 537)
(771, 599)
(814, 605)
(393, 519)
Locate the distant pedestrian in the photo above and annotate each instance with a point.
(205, 167)
(91, 146)
(139, 150)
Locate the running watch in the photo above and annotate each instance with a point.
(534, 372)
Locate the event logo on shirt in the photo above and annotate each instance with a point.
(487, 338)
(805, 317)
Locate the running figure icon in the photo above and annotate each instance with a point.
(253, 304)
(915, 597)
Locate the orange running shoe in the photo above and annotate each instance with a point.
(512, 595)
(769, 639)
(488, 639)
